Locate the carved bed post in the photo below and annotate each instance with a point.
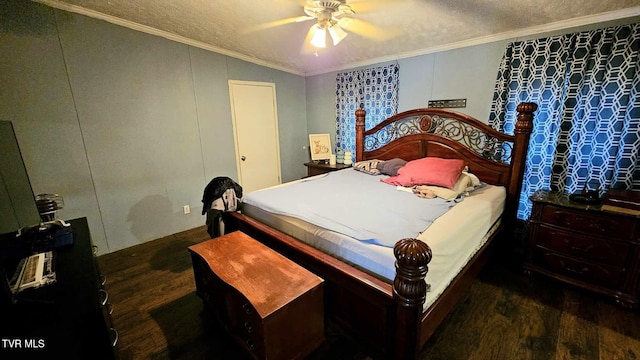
(409, 293)
(522, 133)
(360, 115)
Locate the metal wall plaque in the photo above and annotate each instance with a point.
(454, 103)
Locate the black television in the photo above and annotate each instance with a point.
(17, 202)
(17, 205)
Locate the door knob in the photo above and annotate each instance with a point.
(243, 158)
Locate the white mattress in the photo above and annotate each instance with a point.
(454, 238)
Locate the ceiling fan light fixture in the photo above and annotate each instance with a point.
(319, 38)
(337, 34)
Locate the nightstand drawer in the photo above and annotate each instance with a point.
(598, 274)
(314, 168)
(316, 171)
(578, 245)
(593, 224)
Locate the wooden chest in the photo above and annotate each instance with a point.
(270, 305)
(585, 246)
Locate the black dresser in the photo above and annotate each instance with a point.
(70, 318)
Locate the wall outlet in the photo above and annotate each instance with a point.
(186, 209)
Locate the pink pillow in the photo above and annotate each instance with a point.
(428, 171)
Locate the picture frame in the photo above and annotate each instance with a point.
(320, 146)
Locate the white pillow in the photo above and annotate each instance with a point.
(367, 166)
(466, 182)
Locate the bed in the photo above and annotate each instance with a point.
(393, 313)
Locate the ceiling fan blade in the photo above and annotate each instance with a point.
(364, 6)
(368, 30)
(360, 8)
(276, 23)
(346, 10)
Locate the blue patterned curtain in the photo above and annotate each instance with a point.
(374, 90)
(587, 127)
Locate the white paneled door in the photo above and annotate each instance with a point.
(255, 127)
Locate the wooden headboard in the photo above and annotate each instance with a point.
(496, 158)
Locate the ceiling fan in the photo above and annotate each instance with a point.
(334, 17)
(331, 16)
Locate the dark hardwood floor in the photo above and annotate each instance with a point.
(506, 315)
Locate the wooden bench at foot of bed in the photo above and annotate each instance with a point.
(271, 306)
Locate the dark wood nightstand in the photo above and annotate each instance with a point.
(314, 168)
(585, 246)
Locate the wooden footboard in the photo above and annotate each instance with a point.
(387, 319)
(384, 318)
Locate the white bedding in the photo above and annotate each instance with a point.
(454, 238)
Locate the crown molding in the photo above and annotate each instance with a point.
(514, 34)
(167, 35)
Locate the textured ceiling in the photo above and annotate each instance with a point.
(384, 29)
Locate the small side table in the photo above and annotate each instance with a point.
(314, 168)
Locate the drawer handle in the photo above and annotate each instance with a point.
(247, 309)
(106, 297)
(597, 227)
(114, 337)
(577, 248)
(575, 271)
(95, 249)
(582, 249)
(250, 344)
(248, 327)
(110, 308)
(103, 280)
